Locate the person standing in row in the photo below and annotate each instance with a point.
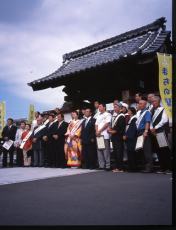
(88, 139)
(59, 141)
(8, 133)
(96, 112)
(73, 148)
(49, 140)
(27, 148)
(160, 123)
(102, 123)
(38, 143)
(17, 143)
(117, 131)
(143, 128)
(138, 97)
(130, 138)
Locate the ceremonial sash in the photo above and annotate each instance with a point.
(140, 118)
(115, 120)
(25, 139)
(156, 114)
(39, 128)
(46, 122)
(76, 127)
(130, 122)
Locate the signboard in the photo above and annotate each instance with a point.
(165, 81)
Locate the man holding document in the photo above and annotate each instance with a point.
(159, 129)
(102, 123)
(144, 140)
(8, 135)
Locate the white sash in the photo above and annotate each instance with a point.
(115, 120)
(46, 122)
(39, 128)
(130, 122)
(77, 125)
(25, 139)
(156, 114)
(42, 126)
(139, 119)
(55, 120)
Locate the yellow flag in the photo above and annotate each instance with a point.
(2, 116)
(165, 81)
(31, 114)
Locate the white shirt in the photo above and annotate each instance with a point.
(102, 119)
(87, 120)
(34, 124)
(18, 137)
(60, 123)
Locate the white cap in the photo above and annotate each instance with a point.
(124, 105)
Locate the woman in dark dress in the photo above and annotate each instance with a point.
(130, 138)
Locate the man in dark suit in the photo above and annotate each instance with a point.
(37, 145)
(49, 140)
(88, 138)
(59, 141)
(117, 131)
(9, 133)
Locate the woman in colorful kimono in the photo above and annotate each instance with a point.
(73, 142)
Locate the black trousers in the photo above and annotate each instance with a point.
(50, 154)
(147, 150)
(164, 155)
(132, 160)
(19, 157)
(5, 153)
(118, 147)
(89, 155)
(59, 155)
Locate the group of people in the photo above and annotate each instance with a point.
(52, 142)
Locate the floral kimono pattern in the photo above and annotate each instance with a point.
(73, 144)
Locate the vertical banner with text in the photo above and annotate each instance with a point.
(165, 81)
(2, 116)
(31, 114)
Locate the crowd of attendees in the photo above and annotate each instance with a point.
(50, 141)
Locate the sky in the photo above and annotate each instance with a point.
(34, 35)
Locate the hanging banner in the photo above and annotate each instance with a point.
(165, 81)
(2, 116)
(31, 114)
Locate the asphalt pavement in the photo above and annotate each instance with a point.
(97, 198)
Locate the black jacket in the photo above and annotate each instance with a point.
(60, 131)
(39, 143)
(131, 134)
(10, 133)
(49, 131)
(119, 128)
(88, 132)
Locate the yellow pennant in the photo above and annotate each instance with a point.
(165, 81)
(2, 116)
(31, 114)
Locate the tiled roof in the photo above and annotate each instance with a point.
(144, 40)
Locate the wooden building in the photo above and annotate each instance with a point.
(114, 68)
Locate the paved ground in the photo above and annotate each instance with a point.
(16, 175)
(96, 198)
